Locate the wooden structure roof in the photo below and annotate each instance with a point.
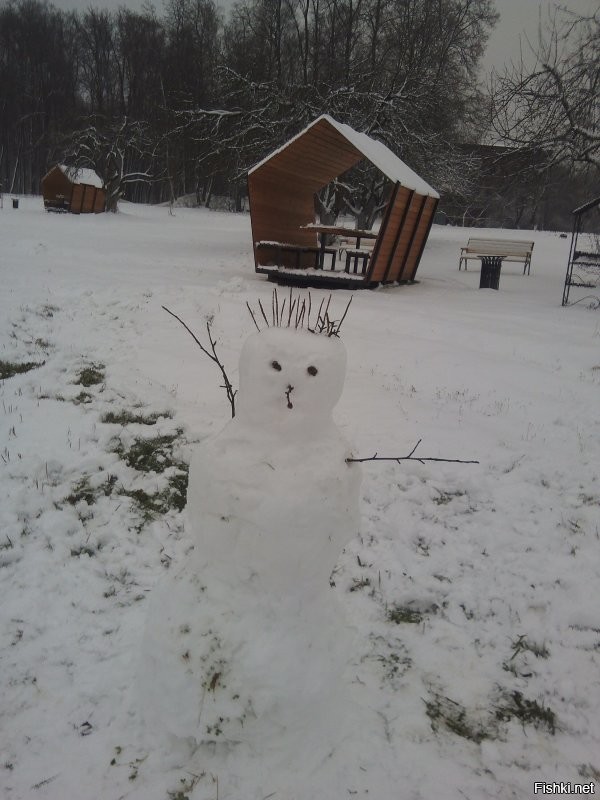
(281, 191)
(78, 190)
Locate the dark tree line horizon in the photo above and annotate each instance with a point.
(193, 99)
(185, 102)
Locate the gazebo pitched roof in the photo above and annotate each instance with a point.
(81, 175)
(374, 151)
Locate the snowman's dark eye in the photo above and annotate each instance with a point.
(276, 365)
(312, 370)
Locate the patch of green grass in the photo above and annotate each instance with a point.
(400, 615)
(82, 491)
(518, 663)
(422, 546)
(82, 398)
(359, 583)
(151, 455)
(589, 771)
(48, 311)
(83, 550)
(151, 505)
(528, 712)
(10, 368)
(446, 713)
(90, 376)
(178, 484)
(408, 614)
(184, 792)
(392, 656)
(523, 644)
(127, 417)
(444, 498)
(148, 505)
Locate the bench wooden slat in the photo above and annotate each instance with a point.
(508, 249)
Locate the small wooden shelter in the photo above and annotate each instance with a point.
(281, 191)
(75, 189)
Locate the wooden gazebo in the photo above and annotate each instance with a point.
(281, 191)
(76, 189)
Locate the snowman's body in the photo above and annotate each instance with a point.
(247, 639)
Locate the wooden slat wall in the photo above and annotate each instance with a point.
(406, 237)
(393, 246)
(77, 199)
(320, 155)
(388, 235)
(420, 234)
(89, 196)
(54, 183)
(100, 201)
(277, 213)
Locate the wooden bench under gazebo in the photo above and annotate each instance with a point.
(289, 246)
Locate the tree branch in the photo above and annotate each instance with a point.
(231, 393)
(409, 457)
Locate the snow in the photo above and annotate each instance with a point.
(82, 175)
(471, 590)
(376, 152)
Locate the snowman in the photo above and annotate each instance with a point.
(247, 642)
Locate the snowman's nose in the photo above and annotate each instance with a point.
(290, 389)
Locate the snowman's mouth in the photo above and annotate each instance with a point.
(290, 389)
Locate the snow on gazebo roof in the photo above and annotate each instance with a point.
(376, 152)
(82, 175)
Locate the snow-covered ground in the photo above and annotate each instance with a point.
(473, 589)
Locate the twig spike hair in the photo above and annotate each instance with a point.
(299, 313)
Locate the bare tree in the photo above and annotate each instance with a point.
(554, 105)
(122, 153)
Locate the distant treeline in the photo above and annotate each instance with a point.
(186, 101)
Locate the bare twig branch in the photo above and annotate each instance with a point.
(231, 392)
(409, 457)
(339, 325)
(253, 317)
(293, 312)
(262, 311)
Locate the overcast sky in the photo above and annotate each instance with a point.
(518, 19)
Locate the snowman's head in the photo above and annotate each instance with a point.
(290, 378)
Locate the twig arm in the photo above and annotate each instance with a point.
(231, 393)
(193, 335)
(410, 457)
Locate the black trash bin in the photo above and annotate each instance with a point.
(490, 272)
(15, 202)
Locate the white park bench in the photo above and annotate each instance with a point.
(507, 249)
